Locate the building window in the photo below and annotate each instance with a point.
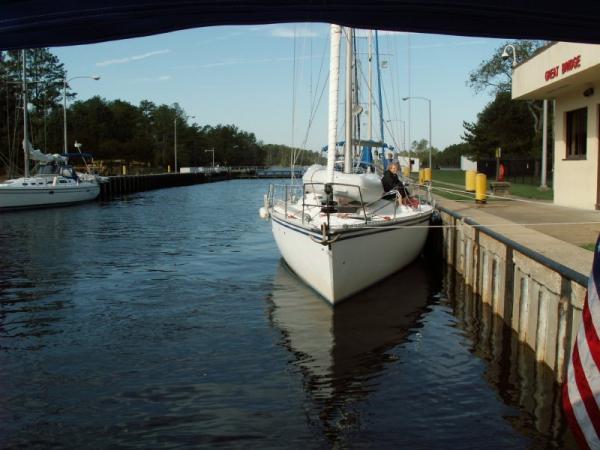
(576, 133)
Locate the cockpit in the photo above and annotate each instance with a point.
(54, 169)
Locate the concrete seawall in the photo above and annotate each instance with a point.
(127, 184)
(534, 282)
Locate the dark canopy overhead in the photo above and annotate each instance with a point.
(45, 23)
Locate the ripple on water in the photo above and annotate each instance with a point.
(166, 319)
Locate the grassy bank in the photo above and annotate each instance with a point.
(457, 177)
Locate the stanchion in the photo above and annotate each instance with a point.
(427, 174)
(470, 180)
(481, 188)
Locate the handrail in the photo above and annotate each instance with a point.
(565, 271)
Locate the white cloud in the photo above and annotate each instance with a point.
(128, 59)
(290, 32)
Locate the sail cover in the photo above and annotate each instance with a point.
(38, 155)
(40, 23)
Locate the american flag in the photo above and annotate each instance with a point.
(581, 391)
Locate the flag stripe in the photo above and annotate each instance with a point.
(579, 411)
(590, 370)
(572, 420)
(581, 391)
(590, 356)
(585, 392)
(595, 275)
(594, 306)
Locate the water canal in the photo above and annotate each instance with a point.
(166, 319)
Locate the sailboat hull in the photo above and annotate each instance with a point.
(40, 197)
(356, 260)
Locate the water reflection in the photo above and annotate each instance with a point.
(341, 352)
(36, 259)
(511, 367)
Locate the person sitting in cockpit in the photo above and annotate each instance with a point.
(391, 182)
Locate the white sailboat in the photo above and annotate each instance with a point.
(336, 232)
(53, 183)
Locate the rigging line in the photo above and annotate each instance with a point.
(481, 225)
(515, 199)
(378, 107)
(388, 43)
(408, 71)
(467, 196)
(310, 71)
(293, 100)
(315, 107)
(311, 119)
(356, 102)
(387, 106)
(314, 113)
(398, 104)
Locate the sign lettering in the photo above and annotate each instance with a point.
(571, 64)
(567, 66)
(551, 73)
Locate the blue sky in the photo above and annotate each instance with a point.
(266, 78)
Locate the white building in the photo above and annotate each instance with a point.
(569, 74)
(416, 165)
(467, 164)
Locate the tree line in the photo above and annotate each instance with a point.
(116, 129)
(145, 133)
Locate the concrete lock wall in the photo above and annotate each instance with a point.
(541, 301)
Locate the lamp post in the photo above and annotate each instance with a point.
(429, 104)
(505, 54)
(175, 139)
(65, 83)
(213, 157)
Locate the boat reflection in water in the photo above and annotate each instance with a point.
(340, 351)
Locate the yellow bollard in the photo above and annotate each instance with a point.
(169, 168)
(406, 171)
(470, 180)
(480, 188)
(124, 170)
(427, 174)
(420, 176)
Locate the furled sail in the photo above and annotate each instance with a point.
(38, 155)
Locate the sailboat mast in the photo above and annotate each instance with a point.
(356, 109)
(348, 147)
(380, 100)
(25, 136)
(370, 85)
(334, 82)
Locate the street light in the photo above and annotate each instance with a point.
(65, 83)
(175, 139)
(213, 157)
(429, 103)
(505, 54)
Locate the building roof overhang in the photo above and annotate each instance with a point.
(557, 70)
